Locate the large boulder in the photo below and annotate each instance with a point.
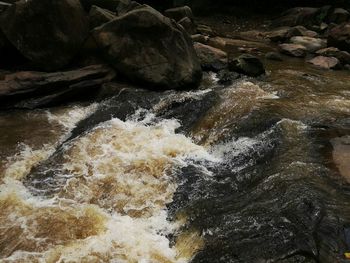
(111, 5)
(47, 32)
(310, 43)
(248, 65)
(149, 48)
(339, 37)
(99, 16)
(211, 58)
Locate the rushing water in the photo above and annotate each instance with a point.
(257, 171)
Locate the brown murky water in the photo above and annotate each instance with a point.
(112, 207)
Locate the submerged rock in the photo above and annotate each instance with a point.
(274, 56)
(325, 62)
(294, 50)
(149, 48)
(211, 58)
(47, 32)
(248, 65)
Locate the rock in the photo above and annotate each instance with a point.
(178, 13)
(148, 48)
(99, 16)
(200, 38)
(303, 31)
(238, 44)
(111, 5)
(206, 30)
(325, 62)
(294, 50)
(42, 34)
(310, 43)
(274, 56)
(280, 34)
(44, 88)
(339, 37)
(123, 7)
(297, 16)
(248, 65)
(342, 56)
(339, 15)
(211, 58)
(227, 77)
(188, 25)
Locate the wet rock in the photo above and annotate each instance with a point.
(342, 56)
(274, 56)
(297, 16)
(293, 50)
(178, 13)
(111, 5)
(339, 37)
(127, 6)
(37, 89)
(99, 16)
(200, 38)
(280, 34)
(206, 30)
(339, 15)
(47, 38)
(303, 31)
(310, 43)
(325, 62)
(248, 65)
(188, 25)
(237, 44)
(149, 48)
(227, 77)
(211, 58)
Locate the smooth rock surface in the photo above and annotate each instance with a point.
(310, 43)
(325, 62)
(47, 32)
(294, 50)
(211, 58)
(149, 48)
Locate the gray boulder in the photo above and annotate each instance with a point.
(40, 31)
(149, 48)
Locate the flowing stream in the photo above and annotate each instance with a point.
(257, 171)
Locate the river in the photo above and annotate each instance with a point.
(257, 171)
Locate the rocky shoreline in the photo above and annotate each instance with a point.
(58, 51)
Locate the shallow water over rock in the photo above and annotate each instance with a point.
(252, 172)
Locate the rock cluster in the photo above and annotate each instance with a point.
(54, 38)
